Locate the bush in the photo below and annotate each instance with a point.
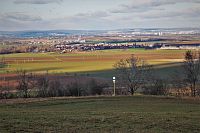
(158, 87)
(5, 92)
(43, 86)
(74, 89)
(55, 89)
(95, 88)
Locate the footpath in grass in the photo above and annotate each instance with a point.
(101, 114)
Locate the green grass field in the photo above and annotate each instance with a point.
(84, 61)
(101, 114)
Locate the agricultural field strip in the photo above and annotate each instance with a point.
(86, 61)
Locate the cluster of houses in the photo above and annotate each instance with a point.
(92, 47)
(172, 46)
(180, 46)
(102, 46)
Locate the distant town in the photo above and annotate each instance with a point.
(69, 41)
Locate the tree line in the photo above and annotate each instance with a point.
(26, 49)
(30, 85)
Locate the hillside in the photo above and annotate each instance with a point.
(101, 114)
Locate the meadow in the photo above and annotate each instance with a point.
(101, 114)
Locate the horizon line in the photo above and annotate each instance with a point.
(97, 29)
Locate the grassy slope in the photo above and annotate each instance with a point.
(103, 114)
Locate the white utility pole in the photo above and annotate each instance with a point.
(114, 86)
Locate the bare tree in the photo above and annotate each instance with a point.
(25, 82)
(55, 88)
(192, 70)
(43, 85)
(96, 88)
(132, 73)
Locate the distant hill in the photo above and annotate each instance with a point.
(49, 33)
(55, 33)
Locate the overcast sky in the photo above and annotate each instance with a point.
(97, 14)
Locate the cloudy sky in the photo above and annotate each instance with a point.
(97, 14)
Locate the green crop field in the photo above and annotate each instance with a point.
(101, 114)
(84, 61)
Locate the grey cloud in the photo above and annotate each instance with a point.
(177, 18)
(88, 20)
(189, 13)
(8, 24)
(19, 16)
(88, 17)
(143, 6)
(98, 14)
(36, 1)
